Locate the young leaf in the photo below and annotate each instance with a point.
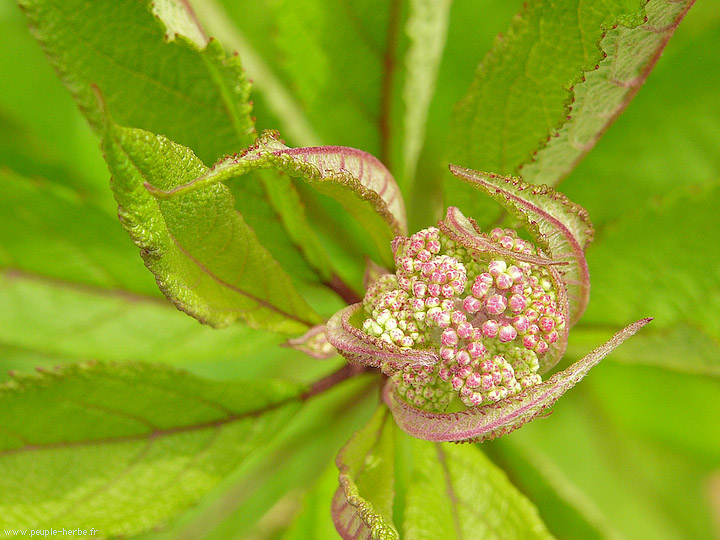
(127, 465)
(362, 506)
(557, 225)
(497, 419)
(185, 88)
(456, 493)
(443, 491)
(358, 347)
(191, 92)
(601, 95)
(427, 29)
(519, 95)
(354, 178)
(206, 259)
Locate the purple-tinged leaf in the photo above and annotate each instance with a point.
(362, 506)
(314, 343)
(466, 232)
(359, 347)
(491, 421)
(356, 179)
(559, 226)
(602, 93)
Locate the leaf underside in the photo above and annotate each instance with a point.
(127, 465)
(356, 179)
(495, 420)
(205, 258)
(558, 226)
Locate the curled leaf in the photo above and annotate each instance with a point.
(313, 343)
(360, 348)
(497, 419)
(356, 179)
(557, 225)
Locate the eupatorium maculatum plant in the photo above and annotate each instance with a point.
(472, 284)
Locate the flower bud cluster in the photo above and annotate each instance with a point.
(488, 318)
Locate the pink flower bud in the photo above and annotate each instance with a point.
(449, 338)
(507, 242)
(530, 342)
(496, 234)
(479, 289)
(521, 324)
(432, 302)
(458, 317)
(463, 371)
(542, 347)
(457, 383)
(546, 324)
(462, 357)
(448, 291)
(490, 328)
(496, 268)
(434, 289)
(475, 399)
(465, 330)
(447, 353)
(428, 268)
(495, 304)
(476, 349)
(424, 255)
(507, 333)
(473, 380)
(419, 289)
(515, 273)
(437, 277)
(442, 319)
(433, 246)
(471, 304)
(504, 281)
(517, 303)
(444, 374)
(552, 337)
(487, 381)
(406, 341)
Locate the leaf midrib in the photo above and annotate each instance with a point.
(151, 435)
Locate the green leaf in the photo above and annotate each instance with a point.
(261, 497)
(127, 464)
(47, 322)
(663, 259)
(556, 224)
(357, 180)
(153, 78)
(192, 93)
(443, 491)
(603, 93)
(204, 256)
(455, 492)
(567, 510)
(519, 94)
(426, 27)
(629, 444)
(362, 506)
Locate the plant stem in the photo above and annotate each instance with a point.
(326, 383)
(343, 290)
